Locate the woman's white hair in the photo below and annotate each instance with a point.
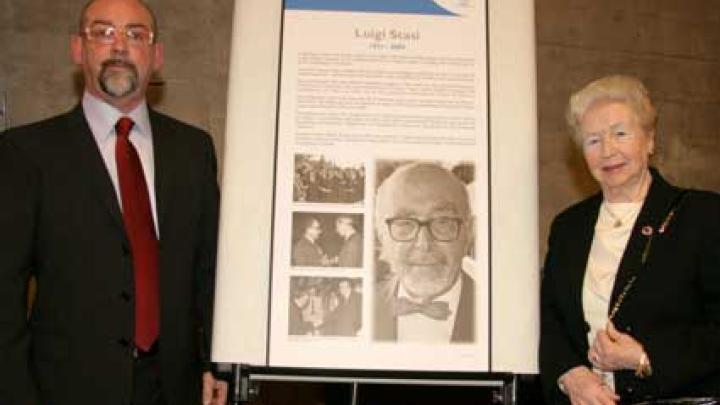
(625, 89)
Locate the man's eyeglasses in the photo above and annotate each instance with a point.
(442, 229)
(107, 34)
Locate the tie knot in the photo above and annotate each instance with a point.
(123, 126)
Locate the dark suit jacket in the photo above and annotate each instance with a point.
(306, 253)
(351, 252)
(60, 221)
(673, 308)
(346, 319)
(385, 322)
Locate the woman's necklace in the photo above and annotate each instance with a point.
(617, 219)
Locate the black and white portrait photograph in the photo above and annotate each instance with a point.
(424, 226)
(325, 306)
(320, 179)
(327, 240)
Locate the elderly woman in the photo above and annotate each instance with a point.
(631, 283)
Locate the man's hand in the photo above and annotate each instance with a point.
(214, 391)
(613, 350)
(584, 387)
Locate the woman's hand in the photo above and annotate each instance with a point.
(584, 387)
(613, 350)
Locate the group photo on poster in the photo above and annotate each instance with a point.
(317, 179)
(325, 306)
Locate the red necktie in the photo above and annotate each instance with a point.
(137, 216)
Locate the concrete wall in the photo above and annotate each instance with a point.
(40, 79)
(672, 45)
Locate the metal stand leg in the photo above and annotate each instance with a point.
(237, 391)
(353, 399)
(511, 391)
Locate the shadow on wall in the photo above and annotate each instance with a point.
(582, 181)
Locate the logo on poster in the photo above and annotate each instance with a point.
(465, 8)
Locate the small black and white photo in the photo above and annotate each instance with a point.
(424, 288)
(325, 306)
(322, 179)
(327, 240)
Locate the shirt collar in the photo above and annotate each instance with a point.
(101, 117)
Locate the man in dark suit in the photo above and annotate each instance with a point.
(425, 228)
(306, 251)
(350, 254)
(112, 207)
(346, 319)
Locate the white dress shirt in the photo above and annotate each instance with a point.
(101, 118)
(418, 327)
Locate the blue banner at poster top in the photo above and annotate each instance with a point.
(428, 7)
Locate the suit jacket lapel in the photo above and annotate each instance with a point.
(162, 165)
(656, 206)
(92, 164)
(386, 320)
(580, 253)
(464, 327)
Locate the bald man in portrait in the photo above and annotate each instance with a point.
(425, 228)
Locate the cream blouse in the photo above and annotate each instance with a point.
(612, 232)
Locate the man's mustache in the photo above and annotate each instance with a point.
(424, 259)
(115, 62)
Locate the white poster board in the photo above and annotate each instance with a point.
(362, 91)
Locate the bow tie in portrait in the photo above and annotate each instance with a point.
(437, 310)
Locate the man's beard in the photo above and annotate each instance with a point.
(118, 82)
(426, 283)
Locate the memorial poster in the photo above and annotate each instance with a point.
(380, 255)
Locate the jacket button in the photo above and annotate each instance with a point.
(123, 342)
(125, 296)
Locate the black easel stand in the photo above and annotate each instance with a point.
(246, 379)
